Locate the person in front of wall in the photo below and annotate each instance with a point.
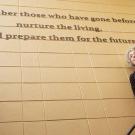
(131, 61)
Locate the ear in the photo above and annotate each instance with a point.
(129, 61)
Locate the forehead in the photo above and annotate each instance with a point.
(132, 52)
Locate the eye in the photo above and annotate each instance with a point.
(130, 56)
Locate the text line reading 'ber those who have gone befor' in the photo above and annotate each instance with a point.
(68, 17)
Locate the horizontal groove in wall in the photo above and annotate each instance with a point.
(75, 67)
(58, 100)
(67, 119)
(89, 53)
(68, 9)
(53, 82)
(95, 3)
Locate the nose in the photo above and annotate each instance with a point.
(134, 56)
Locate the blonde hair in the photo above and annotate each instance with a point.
(127, 56)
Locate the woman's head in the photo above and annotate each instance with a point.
(131, 56)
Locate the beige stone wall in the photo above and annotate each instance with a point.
(65, 87)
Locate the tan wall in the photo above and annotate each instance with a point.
(66, 87)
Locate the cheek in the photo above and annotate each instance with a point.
(132, 60)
